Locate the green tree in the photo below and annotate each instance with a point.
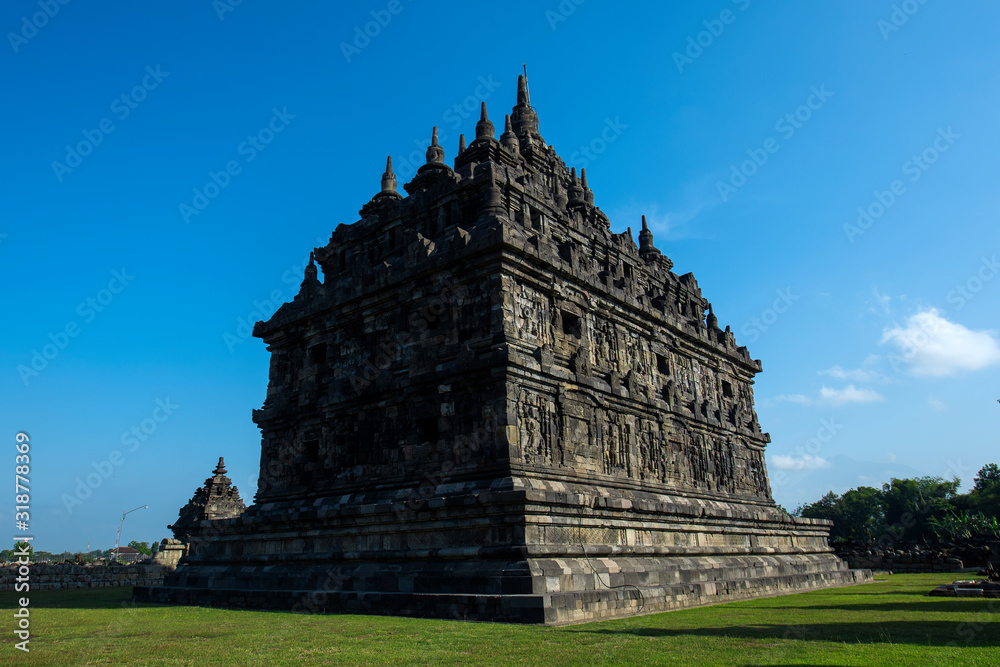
(910, 504)
(141, 547)
(828, 507)
(964, 525)
(862, 513)
(15, 553)
(988, 478)
(985, 495)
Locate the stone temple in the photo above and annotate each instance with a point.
(492, 407)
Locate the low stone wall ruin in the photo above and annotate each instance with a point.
(943, 557)
(902, 562)
(49, 576)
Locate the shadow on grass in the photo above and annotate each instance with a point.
(109, 598)
(942, 605)
(928, 633)
(72, 598)
(919, 592)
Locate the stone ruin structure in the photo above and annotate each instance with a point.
(492, 407)
(218, 499)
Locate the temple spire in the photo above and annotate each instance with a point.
(523, 118)
(712, 321)
(389, 179)
(575, 189)
(221, 468)
(588, 194)
(558, 194)
(461, 144)
(646, 248)
(435, 154)
(484, 128)
(508, 139)
(311, 273)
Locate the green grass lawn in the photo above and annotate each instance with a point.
(892, 622)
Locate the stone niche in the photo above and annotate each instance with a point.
(492, 407)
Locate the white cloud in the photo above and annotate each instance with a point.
(794, 398)
(835, 397)
(866, 373)
(665, 225)
(849, 394)
(879, 303)
(933, 346)
(804, 462)
(935, 403)
(854, 374)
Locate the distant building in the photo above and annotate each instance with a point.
(126, 555)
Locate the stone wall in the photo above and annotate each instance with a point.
(65, 575)
(905, 557)
(903, 563)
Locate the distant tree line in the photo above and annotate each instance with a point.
(924, 509)
(145, 548)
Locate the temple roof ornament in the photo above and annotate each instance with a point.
(575, 189)
(484, 128)
(523, 117)
(435, 154)
(508, 139)
(646, 247)
(588, 194)
(389, 180)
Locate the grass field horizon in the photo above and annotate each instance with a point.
(890, 622)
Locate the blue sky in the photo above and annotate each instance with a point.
(826, 170)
